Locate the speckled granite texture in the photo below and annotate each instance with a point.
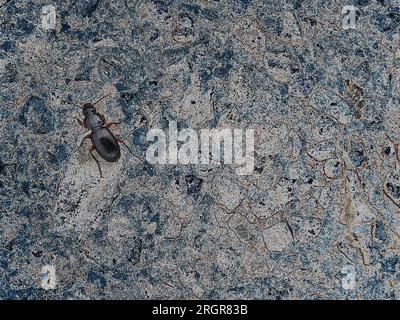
(325, 192)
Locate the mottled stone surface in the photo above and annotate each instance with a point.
(325, 192)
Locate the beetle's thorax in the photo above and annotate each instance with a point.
(92, 120)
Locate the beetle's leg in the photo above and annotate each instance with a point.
(103, 119)
(81, 123)
(129, 149)
(97, 161)
(124, 143)
(86, 136)
(107, 125)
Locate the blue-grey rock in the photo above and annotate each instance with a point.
(323, 198)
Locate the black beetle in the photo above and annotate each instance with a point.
(103, 140)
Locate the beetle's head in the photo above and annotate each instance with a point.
(88, 108)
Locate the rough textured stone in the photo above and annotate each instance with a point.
(325, 193)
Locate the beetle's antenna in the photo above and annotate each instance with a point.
(101, 99)
(76, 105)
(73, 103)
(130, 150)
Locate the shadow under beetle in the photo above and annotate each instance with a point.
(103, 140)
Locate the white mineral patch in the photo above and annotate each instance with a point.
(84, 196)
(277, 238)
(228, 192)
(322, 151)
(119, 227)
(48, 279)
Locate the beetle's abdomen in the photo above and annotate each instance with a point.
(106, 144)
